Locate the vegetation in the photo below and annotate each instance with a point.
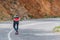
(30, 16)
(56, 29)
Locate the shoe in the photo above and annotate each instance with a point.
(16, 33)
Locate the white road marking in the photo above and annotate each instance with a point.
(35, 23)
(46, 34)
(43, 34)
(9, 38)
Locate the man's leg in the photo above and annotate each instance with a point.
(17, 26)
(14, 26)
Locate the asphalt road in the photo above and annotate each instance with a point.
(27, 34)
(30, 32)
(3, 33)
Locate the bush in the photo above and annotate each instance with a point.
(56, 29)
(30, 16)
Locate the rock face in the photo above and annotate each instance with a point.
(11, 7)
(42, 8)
(29, 8)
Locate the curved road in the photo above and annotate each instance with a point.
(34, 31)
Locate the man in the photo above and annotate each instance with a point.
(16, 23)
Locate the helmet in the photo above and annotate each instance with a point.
(16, 16)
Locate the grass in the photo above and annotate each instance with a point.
(56, 29)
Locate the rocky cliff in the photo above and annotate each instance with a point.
(29, 8)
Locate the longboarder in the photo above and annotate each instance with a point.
(16, 23)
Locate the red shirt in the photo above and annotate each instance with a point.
(16, 19)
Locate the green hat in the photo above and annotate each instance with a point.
(16, 16)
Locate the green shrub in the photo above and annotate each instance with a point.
(30, 16)
(56, 29)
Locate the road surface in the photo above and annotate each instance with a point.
(28, 34)
(30, 30)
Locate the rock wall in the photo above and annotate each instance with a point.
(29, 8)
